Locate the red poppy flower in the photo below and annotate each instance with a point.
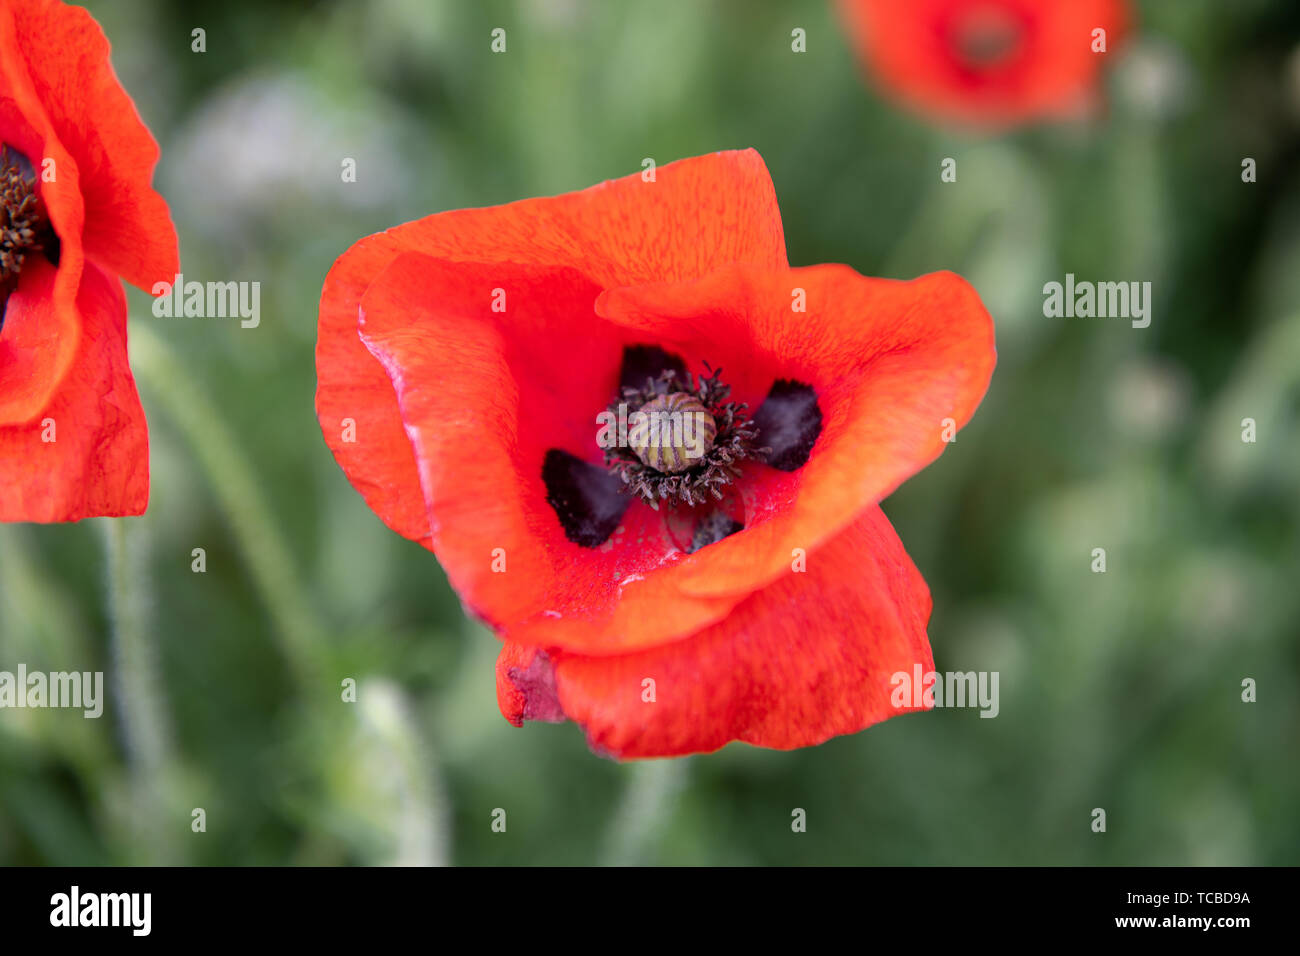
(78, 213)
(466, 363)
(986, 62)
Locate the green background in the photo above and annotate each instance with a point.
(1119, 690)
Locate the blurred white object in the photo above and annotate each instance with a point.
(264, 145)
(1155, 80)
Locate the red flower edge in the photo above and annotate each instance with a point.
(73, 439)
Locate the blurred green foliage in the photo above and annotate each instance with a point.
(1119, 690)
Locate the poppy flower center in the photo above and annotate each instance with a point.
(677, 438)
(689, 468)
(986, 40)
(22, 217)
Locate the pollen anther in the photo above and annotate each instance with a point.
(22, 219)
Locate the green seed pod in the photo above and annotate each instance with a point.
(671, 433)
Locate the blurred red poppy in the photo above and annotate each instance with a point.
(78, 213)
(743, 586)
(987, 62)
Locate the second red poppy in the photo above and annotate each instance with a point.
(987, 63)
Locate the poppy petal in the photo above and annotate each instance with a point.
(57, 71)
(526, 686)
(87, 451)
(40, 340)
(807, 658)
(481, 421)
(693, 217)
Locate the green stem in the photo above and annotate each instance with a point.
(408, 776)
(141, 712)
(652, 789)
(256, 533)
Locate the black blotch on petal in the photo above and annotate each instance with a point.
(587, 499)
(641, 362)
(713, 528)
(789, 421)
(7, 288)
(52, 246)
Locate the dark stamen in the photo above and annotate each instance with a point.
(24, 226)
